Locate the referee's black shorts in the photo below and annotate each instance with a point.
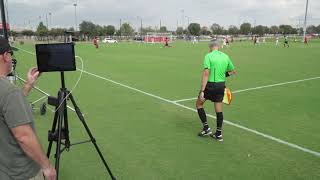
(214, 91)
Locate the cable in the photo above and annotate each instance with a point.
(74, 85)
(82, 68)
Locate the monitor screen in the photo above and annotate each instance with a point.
(55, 57)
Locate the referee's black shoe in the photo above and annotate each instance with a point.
(217, 136)
(205, 132)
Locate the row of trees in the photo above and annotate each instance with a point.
(87, 28)
(90, 30)
(245, 29)
(42, 31)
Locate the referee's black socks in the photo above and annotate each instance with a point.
(203, 117)
(219, 121)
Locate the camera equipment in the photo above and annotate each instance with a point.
(14, 64)
(12, 75)
(55, 57)
(60, 57)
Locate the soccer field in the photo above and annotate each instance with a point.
(138, 101)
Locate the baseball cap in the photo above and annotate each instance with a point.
(4, 46)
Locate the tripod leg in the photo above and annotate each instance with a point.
(60, 122)
(52, 130)
(51, 134)
(66, 126)
(79, 114)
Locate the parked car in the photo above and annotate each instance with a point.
(109, 40)
(137, 38)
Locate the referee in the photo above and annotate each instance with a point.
(217, 66)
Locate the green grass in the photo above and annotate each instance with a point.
(146, 138)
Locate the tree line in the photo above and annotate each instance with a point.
(246, 29)
(89, 30)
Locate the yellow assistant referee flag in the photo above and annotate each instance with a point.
(227, 98)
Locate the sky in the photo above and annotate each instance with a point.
(171, 13)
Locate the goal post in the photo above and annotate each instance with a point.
(153, 37)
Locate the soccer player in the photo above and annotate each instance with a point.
(224, 43)
(305, 40)
(195, 41)
(286, 42)
(217, 66)
(255, 39)
(258, 40)
(277, 41)
(95, 42)
(227, 41)
(166, 41)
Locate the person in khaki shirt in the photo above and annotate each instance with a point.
(21, 155)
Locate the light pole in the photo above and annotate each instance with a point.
(182, 17)
(47, 22)
(47, 28)
(305, 21)
(188, 18)
(140, 25)
(75, 16)
(177, 24)
(120, 27)
(4, 22)
(50, 20)
(141, 28)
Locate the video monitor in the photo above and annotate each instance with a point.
(55, 57)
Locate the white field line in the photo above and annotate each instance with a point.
(260, 87)
(258, 133)
(158, 97)
(25, 51)
(182, 100)
(43, 97)
(123, 85)
(226, 121)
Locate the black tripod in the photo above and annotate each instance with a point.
(60, 129)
